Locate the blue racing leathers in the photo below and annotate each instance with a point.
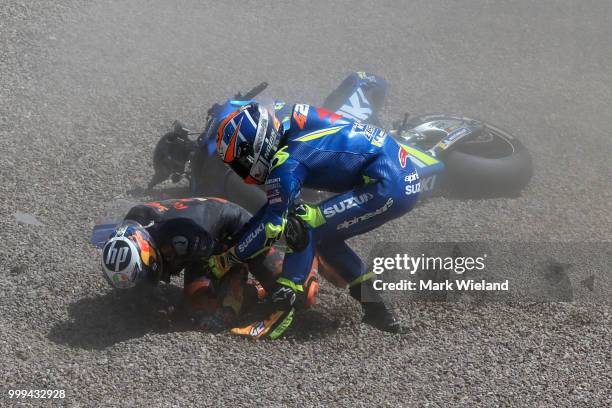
(373, 175)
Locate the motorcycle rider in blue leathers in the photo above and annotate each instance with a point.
(291, 147)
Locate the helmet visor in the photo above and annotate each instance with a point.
(265, 145)
(242, 165)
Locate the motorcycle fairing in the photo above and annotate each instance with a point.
(424, 163)
(359, 97)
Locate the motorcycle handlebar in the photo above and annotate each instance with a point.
(239, 97)
(252, 93)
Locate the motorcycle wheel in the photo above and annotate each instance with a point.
(491, 165)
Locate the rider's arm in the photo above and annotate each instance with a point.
(227, 225)
(282, 187)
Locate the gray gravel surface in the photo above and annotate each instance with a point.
(87, 87)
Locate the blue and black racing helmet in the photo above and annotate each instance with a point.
(247, 139)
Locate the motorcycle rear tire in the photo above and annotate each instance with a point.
(494, 165)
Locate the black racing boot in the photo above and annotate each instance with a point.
(376, 311)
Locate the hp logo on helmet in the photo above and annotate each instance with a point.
(117, 256)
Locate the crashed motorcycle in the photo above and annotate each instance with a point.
(453, 155)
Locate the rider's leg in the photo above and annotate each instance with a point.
(341, 258)
(296, 265)
(384, 197)
(288, 287)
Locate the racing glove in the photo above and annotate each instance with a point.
(222, 263)
(281, 317)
